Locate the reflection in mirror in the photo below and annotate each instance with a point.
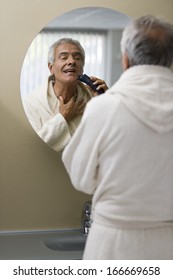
(53, 96)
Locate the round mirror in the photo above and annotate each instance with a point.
(54, 101)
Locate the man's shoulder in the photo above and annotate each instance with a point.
(103, 104)
(39, 89)
(36, 96)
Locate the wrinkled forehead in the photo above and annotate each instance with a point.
(68, 48)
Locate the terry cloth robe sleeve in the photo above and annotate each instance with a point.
(55, 132)
(52, 128)
(81, 156)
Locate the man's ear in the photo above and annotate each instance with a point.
(125, 61)
(50, 67)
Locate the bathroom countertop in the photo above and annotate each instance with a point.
(31, 245)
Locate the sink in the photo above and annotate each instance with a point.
(67, 240)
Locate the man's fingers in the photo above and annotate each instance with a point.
(61, 99)
(99, 83)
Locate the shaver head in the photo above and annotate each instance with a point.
(85, 79)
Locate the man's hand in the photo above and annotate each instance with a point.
(72, 108)
(99, 83)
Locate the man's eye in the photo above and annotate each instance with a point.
(77, 57)
(63, 57)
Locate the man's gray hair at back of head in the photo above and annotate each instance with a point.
(51, 53)
(148, 40)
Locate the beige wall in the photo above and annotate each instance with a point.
(35, 191)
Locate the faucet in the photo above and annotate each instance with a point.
(86, 217)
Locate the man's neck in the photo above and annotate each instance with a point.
(66, 91)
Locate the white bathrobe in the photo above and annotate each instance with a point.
(122, 153)
(42, 110)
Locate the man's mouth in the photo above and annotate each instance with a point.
(70, 71)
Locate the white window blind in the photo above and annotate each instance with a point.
(35, 70)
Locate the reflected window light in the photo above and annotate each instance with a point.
(35, 70)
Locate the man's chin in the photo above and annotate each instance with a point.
(71, 76)
(71, 79)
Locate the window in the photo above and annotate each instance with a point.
(35, 70)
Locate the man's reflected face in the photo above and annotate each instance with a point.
(68, 64)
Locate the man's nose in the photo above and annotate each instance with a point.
(71, 60)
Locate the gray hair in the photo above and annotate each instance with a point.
(53, 47)
(148, 40)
